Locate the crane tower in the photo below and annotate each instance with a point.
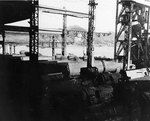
(132, 33)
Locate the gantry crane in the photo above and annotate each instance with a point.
(132, 33)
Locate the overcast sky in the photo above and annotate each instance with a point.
(105, 14)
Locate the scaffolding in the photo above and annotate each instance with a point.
(131, 36)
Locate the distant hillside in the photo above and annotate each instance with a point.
(104, 40)
(72, 37)
(76, 28)
(99, 40)
(23, 37)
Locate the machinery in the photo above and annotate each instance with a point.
(107, 96)
(54, 95)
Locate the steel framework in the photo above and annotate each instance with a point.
(131, 36)
(34, 31)
(65, 13)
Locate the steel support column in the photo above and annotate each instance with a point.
(92, 6)
(147, 46)
(64, 34)
(129, 35)
(34, 32)
(115, 43)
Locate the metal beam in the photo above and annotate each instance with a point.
(50, 31)
(116, 36)
(16, 28)
(130, 36)
(63, 12)
(27, 29)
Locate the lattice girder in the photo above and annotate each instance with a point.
(131, 37)
(34, 32)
